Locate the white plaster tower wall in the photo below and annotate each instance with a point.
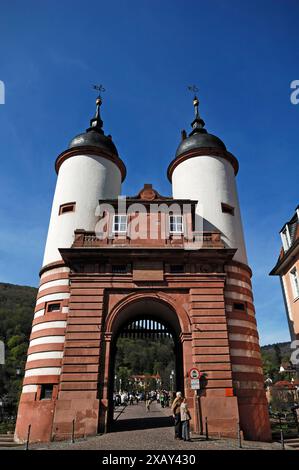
(83, 180)
(89, 170)
(211, 181)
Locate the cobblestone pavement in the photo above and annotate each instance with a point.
(135, 428)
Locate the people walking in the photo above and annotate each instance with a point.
(185, 420)
(148, 402)
(176, 412)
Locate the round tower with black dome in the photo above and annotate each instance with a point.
(89, 170)
(204, 170)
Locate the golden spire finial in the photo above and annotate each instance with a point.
(194, 89)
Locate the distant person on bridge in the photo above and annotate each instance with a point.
(176, 412)
(148, 402)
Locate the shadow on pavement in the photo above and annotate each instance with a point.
(141, 423)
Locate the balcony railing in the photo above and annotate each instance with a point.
(86, 239)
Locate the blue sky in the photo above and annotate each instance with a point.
(241, 54)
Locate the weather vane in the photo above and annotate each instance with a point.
(99, 88)
(193, 88)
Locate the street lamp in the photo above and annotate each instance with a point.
(172, 380)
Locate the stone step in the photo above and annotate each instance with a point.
(6, 439)
(9, 444)
(293, 441)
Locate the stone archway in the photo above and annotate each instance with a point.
(159, 307)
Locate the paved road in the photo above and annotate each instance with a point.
(135, 428)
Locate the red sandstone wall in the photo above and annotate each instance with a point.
(44, 357)
(248, 379)
(223, 344)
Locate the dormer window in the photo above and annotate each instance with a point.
(119, 224)
(286, 238)
(176, 224)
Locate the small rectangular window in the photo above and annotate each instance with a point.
(119, 223)
(240, 306)
(176, 268)
(119, 268)
(68, 207)
(53, 307)
(176, 224)
(46, 392)
(295, 282)
(227, 209)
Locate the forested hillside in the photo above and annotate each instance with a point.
(144, 357)
(273, 355)
(16, 312)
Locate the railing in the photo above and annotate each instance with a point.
(86, 239)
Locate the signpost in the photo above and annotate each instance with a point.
(195, 385)
(194, 375)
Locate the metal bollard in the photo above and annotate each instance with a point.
(28, 437)
(207, 429)
(282, 440)
(239, 436)
(73, 432)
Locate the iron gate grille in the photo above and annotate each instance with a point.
(145, 328)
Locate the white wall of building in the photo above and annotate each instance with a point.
(211, 180)
(83, 179)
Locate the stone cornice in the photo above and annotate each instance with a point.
(201, 152)
(90, 150)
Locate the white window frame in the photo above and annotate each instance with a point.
(286, 238)
(120, 223)
(177, 222)
(295, 282)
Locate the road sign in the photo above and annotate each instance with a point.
(194, 373)
(195, 385)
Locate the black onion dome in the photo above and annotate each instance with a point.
(198, 137)
(199, 140)
(95, 139)
(94, 135)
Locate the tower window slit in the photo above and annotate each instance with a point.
(68, 207)
(240, 306)
(53, 307)
(227, 209)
